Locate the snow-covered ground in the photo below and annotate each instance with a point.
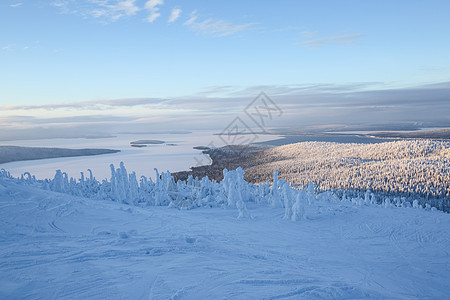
(58, 246)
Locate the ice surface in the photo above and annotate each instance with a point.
(141, 160)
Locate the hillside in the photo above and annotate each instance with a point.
(58, 246)
(409, 167)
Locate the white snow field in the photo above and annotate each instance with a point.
(60, 246)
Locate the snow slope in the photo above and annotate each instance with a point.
(57, 246)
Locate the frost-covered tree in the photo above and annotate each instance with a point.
(233, 192)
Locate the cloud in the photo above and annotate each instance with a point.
(289, 89)
(8, 47)
(285, 29)
(308, 34)
(355, 103)
(193, 17)
(15, 47)
(25, 120)
(338, 40)
(319, 105)
(64, 6)
(106, 10)
(152, 7)
(114, 11)
(15, 5)
(128, 7)
(174, 15)
(216, 27)
(89, 105)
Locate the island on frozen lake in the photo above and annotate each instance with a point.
(146, 142)
(15, 153)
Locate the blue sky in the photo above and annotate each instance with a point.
(67, 51)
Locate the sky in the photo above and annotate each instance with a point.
(97, 63)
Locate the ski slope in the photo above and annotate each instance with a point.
(58, 246)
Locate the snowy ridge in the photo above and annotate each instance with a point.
(232, 192)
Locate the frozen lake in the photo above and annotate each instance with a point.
(176, 154)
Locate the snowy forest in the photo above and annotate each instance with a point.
(409, 169)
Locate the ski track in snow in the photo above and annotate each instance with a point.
(56, 246)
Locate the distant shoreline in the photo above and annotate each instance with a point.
(438, 134)
(228, 157)
(16, 153)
